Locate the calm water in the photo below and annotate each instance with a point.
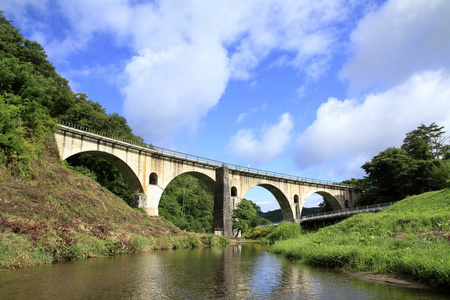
(236, 272)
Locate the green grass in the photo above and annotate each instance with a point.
(409, 238)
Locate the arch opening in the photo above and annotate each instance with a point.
(153, 179)
(233, 191)
(319, 202)
(188, 202)
(274, 206)
(109, 171)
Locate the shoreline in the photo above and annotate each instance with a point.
(387, 279)
(241, 241)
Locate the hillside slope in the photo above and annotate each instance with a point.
(60, 215)
(410, 238)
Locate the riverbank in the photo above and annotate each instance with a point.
(61, 215)
(388, 280)
(410, 239)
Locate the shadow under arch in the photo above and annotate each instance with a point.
(288, 214)
(205, 179)
(187, 200)
(128, 174)
(330, 199)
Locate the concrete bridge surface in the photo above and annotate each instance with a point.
(148, 171)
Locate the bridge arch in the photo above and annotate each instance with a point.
(281, 198)
(129, 175)
(330, 199)
(156, 190)
(207, 180)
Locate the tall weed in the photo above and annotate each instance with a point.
(284, 231)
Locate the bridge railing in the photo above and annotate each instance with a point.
(347, 212)
(203, 160)
(269, 225)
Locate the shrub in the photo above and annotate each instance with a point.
(215, 240)
(258, 232)
(284, 231)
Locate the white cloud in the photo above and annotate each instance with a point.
(160, 97)
(401, 38)
(185, 55)
(257, 147)
(235, 38)
(243, 116)
(347, 133)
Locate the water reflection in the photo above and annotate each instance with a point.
(235, 272)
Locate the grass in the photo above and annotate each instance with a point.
(409, 238)
(60, 215)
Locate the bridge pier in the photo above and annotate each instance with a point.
(222, 221)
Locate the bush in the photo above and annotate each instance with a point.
(284, 231)
(142, 243)
(214, 240)
(258, 232)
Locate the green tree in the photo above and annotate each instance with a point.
(103, 172)
(390, 174)
(188, 204)
(33, 96)
(243, 215)
(419, 166)
(426, 142)
(440, 175)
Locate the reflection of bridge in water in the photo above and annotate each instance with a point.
(148, 171)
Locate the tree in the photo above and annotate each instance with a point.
(419, 166)
(426, 142)
(243, 215)
(103, 172)
(188, 204)
(390, 173)
(440, 175)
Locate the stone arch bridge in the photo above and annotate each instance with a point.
(148, 171)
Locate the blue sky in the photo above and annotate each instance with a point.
(308, 88)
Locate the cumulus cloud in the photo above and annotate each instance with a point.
(400, 54)
(401, 38)
(261, 146)
(201, 46)
(185, 55)
(160, 98)
(346, 133)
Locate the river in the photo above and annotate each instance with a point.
(235, 272)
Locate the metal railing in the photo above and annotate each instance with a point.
(269, 225)
(204, 160)
(346, 212)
